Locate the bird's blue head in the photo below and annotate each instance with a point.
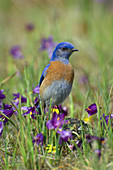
(63, 51)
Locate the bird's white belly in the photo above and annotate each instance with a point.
(57, 92)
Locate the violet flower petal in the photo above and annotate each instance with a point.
(92, 109)
(2, 96)
(38, 139)
(36, 89)
(16, 52)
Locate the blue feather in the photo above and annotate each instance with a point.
(43, 74)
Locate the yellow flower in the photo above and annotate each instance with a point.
(55, 110)
(88, 119)
(31, 113)
(51, 148)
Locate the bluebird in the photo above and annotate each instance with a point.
(57, 77)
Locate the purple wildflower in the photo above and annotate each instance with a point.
(106, 118)
(2, 96)
(92, 109)
(30, 26)
(23, 99)
(91, 138)
(36, 101)
(64, 135)
(17, 96)
(16, 52)
(38, 139)
(29, 110)
(8, 113)
(63, 109)
(98, 152)
(56, 121)
(17, 99)
(48, 44)
(36, 89)
(7, 106)
(1, 127)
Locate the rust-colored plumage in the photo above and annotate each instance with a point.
(57, 71)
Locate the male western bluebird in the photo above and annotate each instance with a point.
(57, 77)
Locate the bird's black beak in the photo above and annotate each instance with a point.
(74, 50)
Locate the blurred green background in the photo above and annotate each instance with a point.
(88, 24)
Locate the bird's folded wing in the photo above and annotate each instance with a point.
(43, 74)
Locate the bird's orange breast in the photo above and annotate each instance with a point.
(57, 71)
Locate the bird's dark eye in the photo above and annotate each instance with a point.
(64, 49)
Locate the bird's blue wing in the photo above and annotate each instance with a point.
(43, 74)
